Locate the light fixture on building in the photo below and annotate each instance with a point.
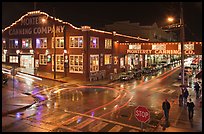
(5, 51)
(17, 51)
(65, 51)
(32, 51)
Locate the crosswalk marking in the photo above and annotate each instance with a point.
(171, 91)
(162, 90)
(73, 119)
(98, 126)
(116, 128)
(84, 123)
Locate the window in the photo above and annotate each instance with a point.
(94, 42)
(3, 43)
(59, 63)
(159, 47)
(138, 47)
(108, 59)
(13, 43)
(59, 42)
(94, 63)
(3, 57)
(43, 59)
(27, 43)
(122, 62)
(41, 43)
(76, 64)
(115, 60)
(76, 42)
(13, 59)
(108, 43)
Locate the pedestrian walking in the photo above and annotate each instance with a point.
(197, 89)
(180, 100)
(185, 95)
(166, 107)
(190, 106)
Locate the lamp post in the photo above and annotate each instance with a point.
(182, 38)
(54, 49)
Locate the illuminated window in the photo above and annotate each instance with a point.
(108, 59)
(115, 60)
(59, 42)
(76, 42)
(76, 64)
(94, 63)
(158, 47)
(94, 42)
(108, 43)
(41, 43)
(3, 57)
(138, 47)
(59, 63)
(43, 59)
(3, 43)
(122, 62)
(13, 59)
(27, 43)
(13, 43)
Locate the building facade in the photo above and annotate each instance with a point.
(44, 43)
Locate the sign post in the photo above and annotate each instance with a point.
(13, 73)
(142, 114)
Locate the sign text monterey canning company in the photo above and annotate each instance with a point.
(39, 29)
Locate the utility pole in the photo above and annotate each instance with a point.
(35, 5)
(54, 34)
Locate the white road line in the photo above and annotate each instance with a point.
(84, 123)
(73, 119)
(116, 128)
(98, 126)
(170, 92)
(162, 90)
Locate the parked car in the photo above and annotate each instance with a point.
(4, 78)
(126, 76)
(137, 72)
(146, 70)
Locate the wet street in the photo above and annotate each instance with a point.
(64, 107)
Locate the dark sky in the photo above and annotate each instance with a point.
(97, 14)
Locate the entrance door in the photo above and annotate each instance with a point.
(27, 61)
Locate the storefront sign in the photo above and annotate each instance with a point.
(135, 51)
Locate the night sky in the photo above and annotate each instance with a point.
(98, 14)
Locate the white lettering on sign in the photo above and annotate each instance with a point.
(36, 30)
(141, 113)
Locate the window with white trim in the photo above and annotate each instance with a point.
(59, 42)
(76, 64)
(27, 43)
(108, 59)
(13, 43)
(43, 59)
(108, 43)
(76, 41)
(94, 42)
(13, 59)
(41, 42)
(3, 43)
(94, 63)
(3, 57)
(59, 62)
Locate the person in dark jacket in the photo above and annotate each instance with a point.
(185, 96)
(180, 100)
(190, 106)
(166, 107)
(197, 89)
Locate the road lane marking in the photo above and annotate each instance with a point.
(98, 126)
(116, 128)
(162, 90)
(84, 123)
(170, 92)
(73, 119)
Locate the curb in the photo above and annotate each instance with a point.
(15, 110)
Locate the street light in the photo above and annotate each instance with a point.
(182, 38)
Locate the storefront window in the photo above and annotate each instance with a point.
(3, 43)
(3, 57)
(13, 59)
(76, 42)
(94, 42)
(115, 60)
(122, 62)
(76, 64)
(13, 43)
(27, 43)
(158, 47)
(94, 63)
(59, 42)
(108, 59)
(108, 43)
(59, 63)
(41, 43)
(43, 59)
